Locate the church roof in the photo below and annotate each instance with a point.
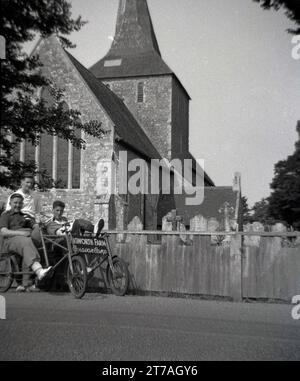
(197, 167)
(134, 50)
(127, 127)
(146, 64)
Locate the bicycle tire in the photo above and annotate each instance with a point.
(118, 289)
(77, 282)
(6, 280)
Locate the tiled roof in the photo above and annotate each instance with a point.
(146, 64)
(134, 50)
(207, 179)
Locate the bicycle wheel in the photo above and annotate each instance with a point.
(7, 269)
(120, 279)
(77, 281)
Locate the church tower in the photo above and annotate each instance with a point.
(135, 71)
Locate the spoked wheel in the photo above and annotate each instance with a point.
(7, 268)
(77, 281)
(119, 278)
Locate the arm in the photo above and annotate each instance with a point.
(7, 232)
(13, 233)
(52, 228)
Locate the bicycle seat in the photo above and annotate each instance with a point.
(100, 227)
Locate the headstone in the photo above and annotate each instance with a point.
(135, 224)
(198, 223)
(168, 221)
(213, 226)
(254, 240)
(279, 228)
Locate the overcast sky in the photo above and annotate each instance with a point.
(235, 61)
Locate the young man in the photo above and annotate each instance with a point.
(31, 203)
(16, 228)
(56, 226)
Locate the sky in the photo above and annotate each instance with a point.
(235, 61)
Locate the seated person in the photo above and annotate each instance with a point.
(57, 224)
(17, 228)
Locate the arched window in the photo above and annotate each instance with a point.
(140, 92)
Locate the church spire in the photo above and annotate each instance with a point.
(134, 30)
(134, 50)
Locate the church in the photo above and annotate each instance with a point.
(144, 110)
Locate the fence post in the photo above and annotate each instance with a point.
(236, 267)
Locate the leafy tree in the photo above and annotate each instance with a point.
(285, 198)
(261, 213)
(21, 114)
(245, 210)
(291, 7)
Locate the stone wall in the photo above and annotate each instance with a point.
(59, 69)
(78, 203)
(154, 114)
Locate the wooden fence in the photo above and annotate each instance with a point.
(233, 265)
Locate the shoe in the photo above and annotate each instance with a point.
(41, 273)
(33, 288)
(89, 270)
(99, 227)
(20, 288)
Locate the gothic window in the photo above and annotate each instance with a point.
(140, 92)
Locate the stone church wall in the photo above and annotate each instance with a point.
(154, 114)
(58, 68)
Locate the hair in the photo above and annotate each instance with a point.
(58, 203)
(27, 175)
(16, 195)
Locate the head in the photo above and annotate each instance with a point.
(16, 202)
(27, 182)
(58, 209)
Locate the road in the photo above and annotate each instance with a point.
(45, 326)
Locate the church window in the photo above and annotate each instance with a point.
(140, 92)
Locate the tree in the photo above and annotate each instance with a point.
(261, 212)
(291, 7)
(285, 198)
(22, 115)
(245, 210)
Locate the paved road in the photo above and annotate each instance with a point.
(105, 327)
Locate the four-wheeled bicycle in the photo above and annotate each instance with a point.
(82, 255)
